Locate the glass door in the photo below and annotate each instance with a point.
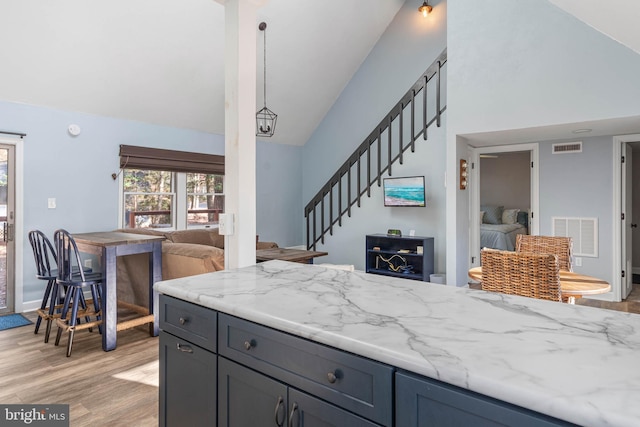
(7, 230)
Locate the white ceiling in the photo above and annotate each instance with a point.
(617, 19)
(162, 61)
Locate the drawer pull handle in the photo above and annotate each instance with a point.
(184, 348)
(279, 406)
(332, 376)
(249, 344)
(183, 320)
(294, 409)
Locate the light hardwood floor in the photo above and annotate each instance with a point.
(116, 388)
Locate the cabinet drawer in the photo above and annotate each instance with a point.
(355, 383)
(189, 321)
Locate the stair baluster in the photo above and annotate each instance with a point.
(375, 137)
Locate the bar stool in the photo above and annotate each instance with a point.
(75, 280)
(46, 263)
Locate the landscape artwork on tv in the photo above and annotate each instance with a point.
(408, 191)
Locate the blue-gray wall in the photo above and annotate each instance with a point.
(525, 64)
(408, 46)
(77, 172)
(580, 185)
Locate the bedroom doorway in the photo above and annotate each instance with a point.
(627, 208)
(504, 196)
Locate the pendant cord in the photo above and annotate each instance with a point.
(264, 57)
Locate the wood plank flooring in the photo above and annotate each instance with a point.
(116, 388)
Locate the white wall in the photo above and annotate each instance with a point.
(525, 64)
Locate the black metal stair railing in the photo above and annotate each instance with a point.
(345, 189)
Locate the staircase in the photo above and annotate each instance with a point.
(407, 123)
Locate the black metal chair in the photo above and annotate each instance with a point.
(75, 280)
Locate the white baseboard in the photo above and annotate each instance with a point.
(30, 306)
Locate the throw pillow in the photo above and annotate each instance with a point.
(523, 218)
(510, 216)
(481, 217)
(492, 214)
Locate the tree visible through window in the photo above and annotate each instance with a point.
(205, 198)
(148, 198)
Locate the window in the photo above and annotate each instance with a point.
(149, 198)
(170, 189)
(205, 198)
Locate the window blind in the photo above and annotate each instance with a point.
(132, 157)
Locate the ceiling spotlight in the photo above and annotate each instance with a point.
(425, 9)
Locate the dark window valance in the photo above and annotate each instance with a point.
(132, 157)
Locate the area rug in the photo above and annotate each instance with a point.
(10, 321)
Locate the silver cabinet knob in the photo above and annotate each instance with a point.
(249, 344)
(183, 320)
(332, 377)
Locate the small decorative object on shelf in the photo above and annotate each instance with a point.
(394, 262)
(376, 248)
(394, 232)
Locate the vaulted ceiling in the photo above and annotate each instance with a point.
(162, 61)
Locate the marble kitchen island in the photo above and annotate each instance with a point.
(573, 363)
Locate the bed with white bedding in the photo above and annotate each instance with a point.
(500, 236)
(499, 227)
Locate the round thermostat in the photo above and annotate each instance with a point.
(74, 130)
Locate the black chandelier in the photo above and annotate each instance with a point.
(265, 118)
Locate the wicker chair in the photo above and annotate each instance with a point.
(559, 246)
(525, 274)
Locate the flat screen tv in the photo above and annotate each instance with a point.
(407, 191)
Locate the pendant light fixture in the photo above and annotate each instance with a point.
(425, 9)
(265, 118)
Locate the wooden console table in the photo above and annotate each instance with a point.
(285, 254)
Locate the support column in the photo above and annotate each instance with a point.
(240, 138)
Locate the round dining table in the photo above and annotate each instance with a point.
(572, 285)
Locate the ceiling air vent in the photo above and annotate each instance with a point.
(568, 147)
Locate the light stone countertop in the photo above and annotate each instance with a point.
(576, 363)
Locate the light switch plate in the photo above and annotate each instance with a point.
(51, 202)
(225, 224)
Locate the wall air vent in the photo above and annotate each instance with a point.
(583, 232)
(567, 147)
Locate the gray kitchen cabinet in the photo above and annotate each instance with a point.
(250, 399)
(424, 402)
(187, 371)
(187, 383)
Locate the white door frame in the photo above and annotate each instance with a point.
(474, 193)
(18, 142)
(618, 224)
